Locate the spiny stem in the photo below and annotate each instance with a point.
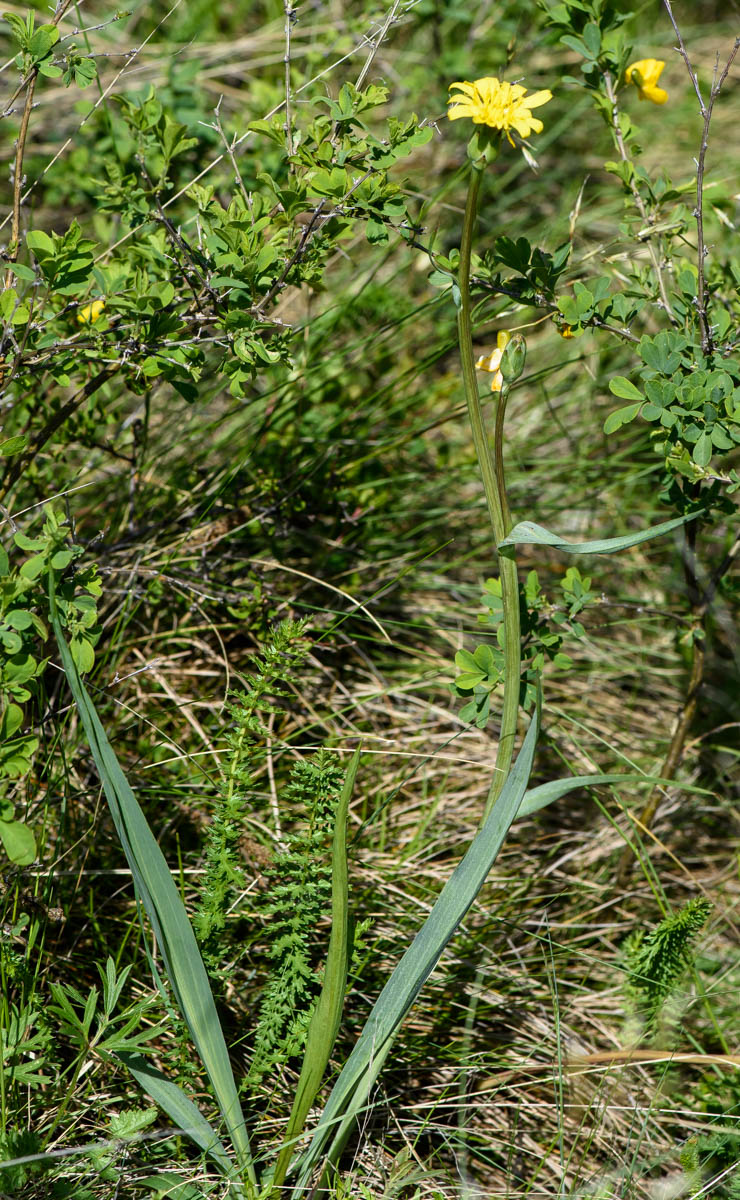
(491, 468)
(636, 196)
(706, 110)
(20, 149)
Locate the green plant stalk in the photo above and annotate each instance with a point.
(492, 472)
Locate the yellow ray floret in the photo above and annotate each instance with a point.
(504, 106)
(645, 74)
(492, 362)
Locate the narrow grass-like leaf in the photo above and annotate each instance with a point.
(528, 533)
(168, 1185)
(324, 1024)
(357, 1078)
(154, 883)
(545, 793)
(182, 1111)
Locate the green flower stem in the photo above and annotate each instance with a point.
(498, 461)
(492, 472)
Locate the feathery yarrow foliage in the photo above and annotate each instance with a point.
(656, 961)
(224, 877)
(298, 895)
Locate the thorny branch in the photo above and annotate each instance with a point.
(188, 263)
(700, 599)
(130, 57)
(229, 148)
(290, 16)
(639, 202)
(706, 110)
(318, 219)
(17, 466)
(377, 42)
(20, 149)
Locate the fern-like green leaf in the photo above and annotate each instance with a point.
(656, 961)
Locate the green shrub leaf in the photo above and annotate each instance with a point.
(620, 417)
(619, 386)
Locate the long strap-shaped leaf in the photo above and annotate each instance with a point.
(168, 1185)
(161, 899)
(528, 533)
(545, 793)
(357, 1078)
(324, 1024)
(182, 1111)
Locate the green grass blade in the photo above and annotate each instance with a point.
(357, 1078)
(528, 533)
(168, 1185)
(324, 1025)
(154, 883)
(181, 1110)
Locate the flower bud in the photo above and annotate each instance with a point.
(513, 358)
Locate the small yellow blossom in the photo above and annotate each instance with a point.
(500, 105)
(89, 313)
(492, 362)
(645, 75)
(566, 331)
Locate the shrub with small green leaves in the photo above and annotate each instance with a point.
(23, 637)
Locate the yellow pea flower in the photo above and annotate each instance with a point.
(89, 313)
(492, 362)
(645, 74)
(500, 105)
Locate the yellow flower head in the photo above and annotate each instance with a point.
(89, 313)
(492, 362)
(645, 74)
(500, 105)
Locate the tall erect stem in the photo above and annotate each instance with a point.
(498, 510)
